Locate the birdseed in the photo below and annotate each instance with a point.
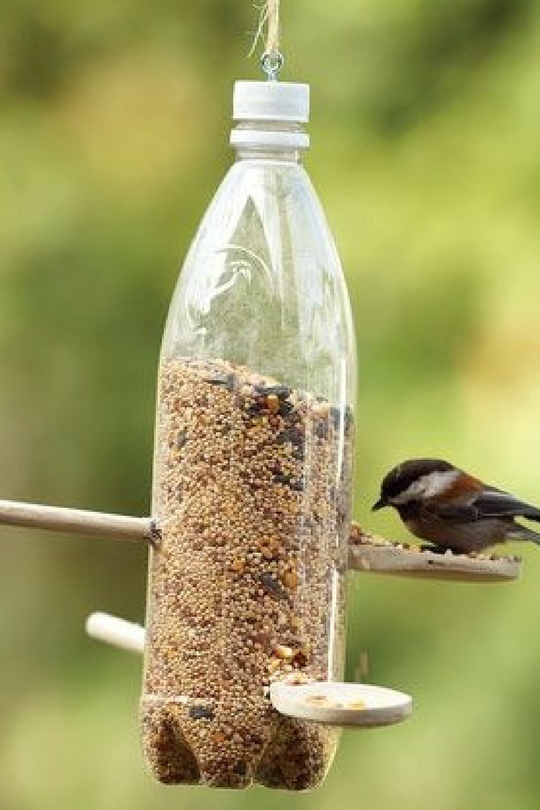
(247, 585)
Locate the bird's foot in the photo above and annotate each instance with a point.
(434, 549)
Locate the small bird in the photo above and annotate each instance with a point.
(453, 510)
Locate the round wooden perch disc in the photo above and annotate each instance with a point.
(367, 553)
(341, 704)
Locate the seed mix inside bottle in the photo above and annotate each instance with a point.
(247, 584)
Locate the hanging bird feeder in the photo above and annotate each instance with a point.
(250, 537)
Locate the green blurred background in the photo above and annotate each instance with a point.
(114, 120)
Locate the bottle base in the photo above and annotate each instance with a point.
(274, 751)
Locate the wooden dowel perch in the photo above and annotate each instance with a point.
(78, 521)
(367, 553)
(117, 632)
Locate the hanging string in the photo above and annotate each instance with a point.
(272, 27)
(272, 59)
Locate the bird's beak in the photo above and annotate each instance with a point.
(381, 503)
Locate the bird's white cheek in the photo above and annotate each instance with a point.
(428, 486)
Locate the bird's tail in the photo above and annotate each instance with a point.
(523, 533)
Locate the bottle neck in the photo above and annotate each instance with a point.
(257, 153)
(269, 140)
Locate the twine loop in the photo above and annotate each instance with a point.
(272, 59)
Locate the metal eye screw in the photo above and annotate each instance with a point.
(272, 63)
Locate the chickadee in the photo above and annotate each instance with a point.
(452, 510)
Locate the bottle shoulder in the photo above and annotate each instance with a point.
(267, 170)
(259, 189)
(262, 283)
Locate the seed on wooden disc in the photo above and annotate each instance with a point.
(355, 704)
(320, 700)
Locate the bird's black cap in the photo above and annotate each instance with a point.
(400, 478)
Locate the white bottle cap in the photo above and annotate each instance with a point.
(275, 103)
(271, 101)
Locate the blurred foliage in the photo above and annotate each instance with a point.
(113, 136)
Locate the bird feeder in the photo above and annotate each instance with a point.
(250, 537)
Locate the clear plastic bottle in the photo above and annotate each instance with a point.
(253, 468)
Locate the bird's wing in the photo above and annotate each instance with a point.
(450, 513)
(496, 503)
(490, 503)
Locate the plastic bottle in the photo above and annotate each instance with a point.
(253, 467)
